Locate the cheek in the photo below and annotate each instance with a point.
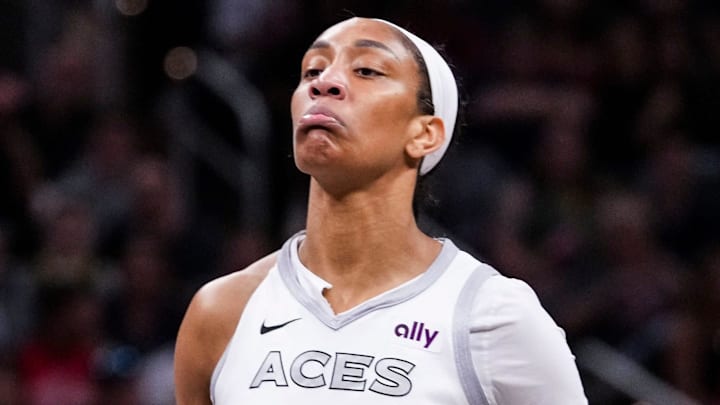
(387, 127)
(393, 114)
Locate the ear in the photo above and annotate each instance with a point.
(428, 134)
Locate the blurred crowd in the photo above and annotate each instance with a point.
(588, 165)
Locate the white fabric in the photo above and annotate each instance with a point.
(364, 362)
(310, 282)
(444, 93)
(313, 284)
(519, 354)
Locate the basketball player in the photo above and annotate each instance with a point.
(362, 307)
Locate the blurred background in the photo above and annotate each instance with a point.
(145, 148)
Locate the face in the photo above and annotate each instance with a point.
(355, 107)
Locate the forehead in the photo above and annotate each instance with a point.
(354, 30)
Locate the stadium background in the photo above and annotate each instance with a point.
(145, 148)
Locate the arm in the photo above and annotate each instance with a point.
(520, 354)
(207, 328)
(194, 361)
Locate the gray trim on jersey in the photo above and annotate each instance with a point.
(461, 335)
(323, 311)
(216, 372)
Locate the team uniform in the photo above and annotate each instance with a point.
(459, 333)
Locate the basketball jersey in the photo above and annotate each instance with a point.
(410, 345)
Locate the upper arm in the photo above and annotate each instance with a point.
(208, 326)
(520, 353)
(194, 354)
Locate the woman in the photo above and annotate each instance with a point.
(363, 307)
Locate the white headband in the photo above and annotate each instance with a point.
(444, 93)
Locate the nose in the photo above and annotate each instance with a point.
(323, 87)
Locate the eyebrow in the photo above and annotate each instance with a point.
(360, 43)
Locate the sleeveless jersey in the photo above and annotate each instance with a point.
(406, 346)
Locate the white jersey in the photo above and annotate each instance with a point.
(449, 336)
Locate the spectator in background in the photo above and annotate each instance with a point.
(55, 366)
(20, 163)
(115, 373)
(158, 209)
(17, 317)
(102, 177)
(65, 98)
(67, 252)
(17, 296)
(9, 387)
(157, 204)
(671, 180)
(242, 26)
(642, 282)
(241, 248)
(692, 361)
(143, 311)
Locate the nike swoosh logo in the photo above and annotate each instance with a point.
(265, 329)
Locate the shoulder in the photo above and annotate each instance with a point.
(217, 306)
(521, 353)
(507, 295)
(511, 305)
(225, 297)
(210, 322)
(497, 299)
(495, 293)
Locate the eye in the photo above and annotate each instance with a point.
(367, 72)
(312, 73)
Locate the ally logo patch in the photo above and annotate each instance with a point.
(417, 333)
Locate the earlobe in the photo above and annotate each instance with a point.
(428, 136)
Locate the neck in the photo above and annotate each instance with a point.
(364, 242)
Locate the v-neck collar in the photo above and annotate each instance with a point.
(317, 304)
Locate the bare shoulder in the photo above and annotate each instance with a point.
(209, 323)
(225, 297)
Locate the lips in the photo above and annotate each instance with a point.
(318, 117)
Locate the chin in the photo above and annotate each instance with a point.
(325, 172)
(311, 156)
(312, 165)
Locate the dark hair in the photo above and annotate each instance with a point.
(423, 196)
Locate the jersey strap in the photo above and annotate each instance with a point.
(461, 335)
